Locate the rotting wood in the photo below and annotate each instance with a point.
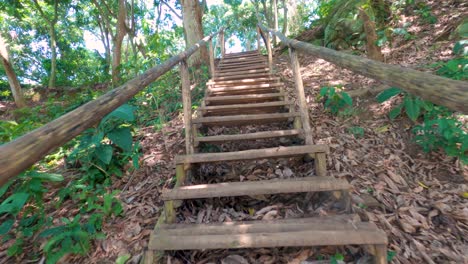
(228, 189)
(303, 108)
(439, 90)
(24, 151)
(279, 239)
(266, 153)
(250, 136)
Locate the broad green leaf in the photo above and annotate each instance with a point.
(4, 188)
(14, 203)
(104, 153)
(387, 94)
(396, 111)
(121, 137)
(124, 112)
(412, 108)
(346, 98)
(323, 91)
(6, 226)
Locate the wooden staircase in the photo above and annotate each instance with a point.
(245, 92)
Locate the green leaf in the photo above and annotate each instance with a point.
(121, 137)
(53, 231)
(6, 226)
(14, 203)
(346, 98)
(122, 259)
(323, 91)
(52, 177)
(387, 94)
(396, 111)
(412, 108)
(4, 188)
(124, 112)
(104, 153)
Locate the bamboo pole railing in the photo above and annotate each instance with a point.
(439, 90)
(19, 154)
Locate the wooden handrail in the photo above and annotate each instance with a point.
(443, 91)
(21, 153)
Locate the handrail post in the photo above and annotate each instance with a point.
(270, 53)
(258, 39)
(212, 66)
(301, 96)
(221, 40)
(187, 104)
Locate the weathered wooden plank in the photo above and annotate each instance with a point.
(238, 72)
(244, 119)
(187, 106)
(264, 90)
(272, 226)
(243, 97)
(266, 153)
(240, 64)
(250, 136)
(244, 81)
(443, 91)
(303, 108)
(215, 88)
(243, 58)
(243, 76)
(212, 64)
(228, 189)
(279, 239)
(253, 66)
(240, 106)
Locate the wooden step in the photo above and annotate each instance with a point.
(232, 120)
(241, 68)
(243, 63)
(242, 60)
(236, 109)
(249, 136)
(244, 76)
(241, 54)
(318, 231)
(243, 81)
(264, 90)
(248, 188)
(243, 99)
(215, 88)
(267, 153)
(229, 73)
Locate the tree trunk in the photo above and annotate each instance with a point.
(373, 51)
(267, 15)
(12, 78)
(274, 7)
(118, 39)
(53, 59)
(192, 20)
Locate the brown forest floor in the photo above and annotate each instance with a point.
(417, 196)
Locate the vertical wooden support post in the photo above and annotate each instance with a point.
(320, 161)
(380, 254)
(270, 53)
(187, 104)
(221, 44)
(212, 65)
(301, 96)
(258, 39)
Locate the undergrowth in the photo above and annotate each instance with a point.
(96, 158)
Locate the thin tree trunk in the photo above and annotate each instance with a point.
(373, 51)
(274, 7)
(192, 20)
(118, 39)
(11, 75)
(53, 59)
(285, 18)
(265, 11)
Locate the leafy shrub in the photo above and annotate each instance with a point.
(335, 100)
(103, 151)
(356, 131)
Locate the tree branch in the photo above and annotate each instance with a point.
(173, 11)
